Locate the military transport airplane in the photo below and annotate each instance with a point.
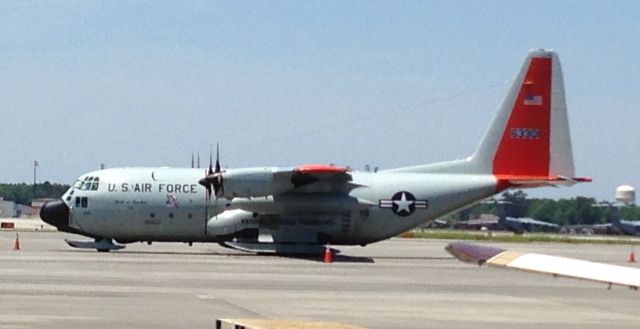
(301, 209)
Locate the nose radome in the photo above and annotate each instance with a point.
(55, 213)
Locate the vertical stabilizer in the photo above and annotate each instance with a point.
(529, 136)
(528, 142)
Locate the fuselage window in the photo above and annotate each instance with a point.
(82, 202)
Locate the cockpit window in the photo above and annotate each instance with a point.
(89, 183)
(94, 185)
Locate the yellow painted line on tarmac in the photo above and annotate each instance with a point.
(280, 324)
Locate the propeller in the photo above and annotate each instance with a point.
(218, 186)
(204, 182)
(212, 182)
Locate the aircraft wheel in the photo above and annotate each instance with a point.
(103, 250)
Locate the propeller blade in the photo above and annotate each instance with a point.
(217, 158)
(210, 162)
(218, 186)
(208, 188)
(218, 181)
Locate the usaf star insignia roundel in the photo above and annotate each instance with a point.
(403, 203)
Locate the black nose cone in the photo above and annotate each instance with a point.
(55, 213)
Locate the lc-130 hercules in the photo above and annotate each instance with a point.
(301, 209)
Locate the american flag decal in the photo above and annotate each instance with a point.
(530, 99)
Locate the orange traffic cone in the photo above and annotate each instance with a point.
(16, 244)
(632, 257)
(328, 255)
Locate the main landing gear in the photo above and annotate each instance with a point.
(101, 245)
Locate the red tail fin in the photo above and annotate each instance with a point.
(528, 143)
(524, 148)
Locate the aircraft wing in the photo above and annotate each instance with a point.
(272, 181)
(315, 178)
(556, 266)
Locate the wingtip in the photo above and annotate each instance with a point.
(472, 253)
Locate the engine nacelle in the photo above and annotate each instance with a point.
(253, 182)
(232, 223)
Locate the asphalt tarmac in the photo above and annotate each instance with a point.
(399, 283)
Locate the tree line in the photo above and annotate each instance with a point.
(575, 211)
(24, 193)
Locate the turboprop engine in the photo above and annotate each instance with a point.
(266, 181)
(246, 183)
(253, 182)
(233, 223)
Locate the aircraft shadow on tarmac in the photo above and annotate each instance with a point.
(139, 252)
(361, 259)
(338, 258)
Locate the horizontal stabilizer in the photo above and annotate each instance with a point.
(508, 181)
(557, 266)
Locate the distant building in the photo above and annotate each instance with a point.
(7, 208)
(23, 211)
(517, 225)
(10, 209)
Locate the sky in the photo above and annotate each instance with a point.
(283, 83)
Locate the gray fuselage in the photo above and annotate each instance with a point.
(167, 204)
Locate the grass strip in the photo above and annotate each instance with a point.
(518, 238)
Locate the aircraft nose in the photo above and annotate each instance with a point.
(55, 213)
